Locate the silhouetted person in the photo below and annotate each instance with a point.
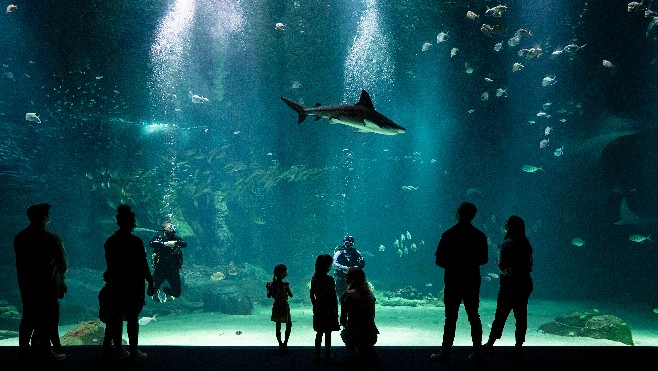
(167, 261)
(515, 264)
(127, 269)
(357, 316)
(280, 291)
(461, 251)
(345, 257)
(41, 266)
(325, 305)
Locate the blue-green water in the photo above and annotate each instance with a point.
(113, 86)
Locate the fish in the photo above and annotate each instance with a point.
(498, 46)
(607, 64)
(634, 6)
(146, 320)
(426, 47)
(544, 143)
(517, 67)
(496, 11)
(31, 116)
(413, 247)
(639, 238)
(402, 237)
(453, 52)
(441, 37)
(400, 252)
(572, 49)
(578, 242)
(628, 217)
(361, 116)
(500, 92)
(280, 26)
(532, 53)
(429, 284)
(558, 152)
(382, 248)
(530, 168)
(471, 15)
(408, 235)
(484, 97)
(548, 80)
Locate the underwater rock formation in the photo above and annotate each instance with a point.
(10, 318)
(591, 325)
(85, 333)
(227, 298)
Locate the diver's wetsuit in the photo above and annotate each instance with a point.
(345, 258)
(167, 262)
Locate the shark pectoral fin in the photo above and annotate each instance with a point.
(360, 131)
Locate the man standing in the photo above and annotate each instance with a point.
(462, 250)
(167, 261)
(41, 266)
(344, 258)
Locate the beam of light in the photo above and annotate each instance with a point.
(170, 51)
(369, 64)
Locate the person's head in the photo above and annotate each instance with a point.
(280, 271)
(168, 227)
(466, 212)
(348, 241)
(125, 218)
(514, 227)
(356, 278)
(39, 214)
(323, 263)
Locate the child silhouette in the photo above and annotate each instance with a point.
(280, 291)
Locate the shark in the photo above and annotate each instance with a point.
(628, 217)
(362, 116)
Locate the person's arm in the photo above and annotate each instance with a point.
(287, 287)
(145, 264)
(311, 292)
(268, 286)
(180, 242)
(484, 250)
(156, 241)
(337, 265)
(441, 253)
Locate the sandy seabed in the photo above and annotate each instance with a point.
(398, 326)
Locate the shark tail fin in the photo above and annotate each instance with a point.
(298, 108)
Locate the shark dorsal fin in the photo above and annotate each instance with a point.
(365, 100)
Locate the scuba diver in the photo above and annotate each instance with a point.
(345, 257)
(167, 261)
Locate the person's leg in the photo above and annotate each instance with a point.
(452, 299)
(472, 306)
(173, 278)
(521, 312)
(132, 318)
(287, 334)
(54, 330)
(26, 326)
(278, 333)
(318, 344)
(503, 308)
(327, 345)
(159, 277)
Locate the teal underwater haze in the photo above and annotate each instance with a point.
(173, 107)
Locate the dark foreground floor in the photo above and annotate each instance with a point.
(391, 358)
